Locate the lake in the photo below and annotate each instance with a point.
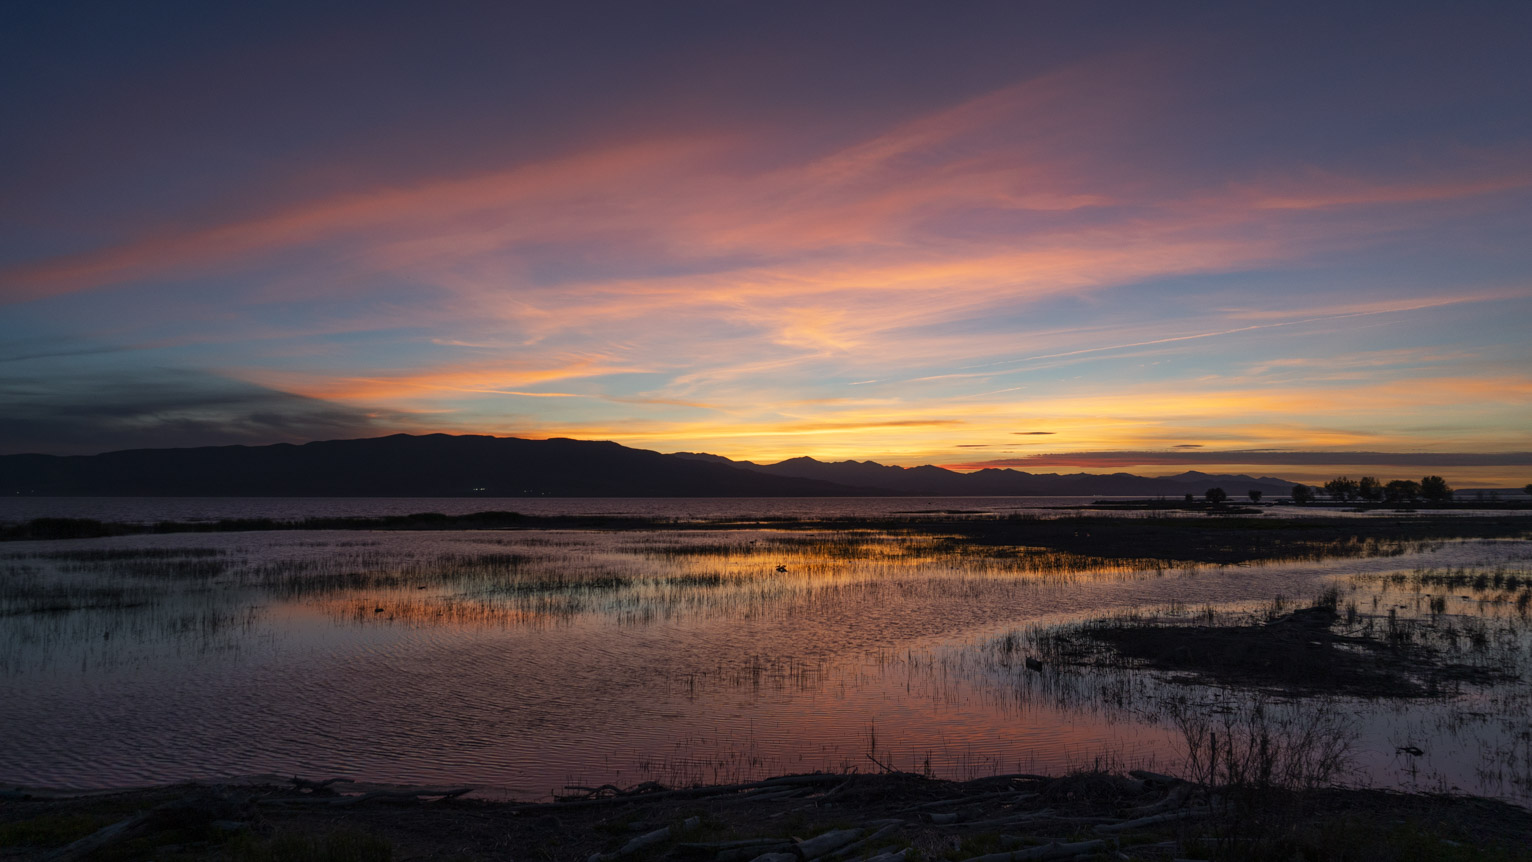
(530, 660)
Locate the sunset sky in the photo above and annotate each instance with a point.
(1286, 239)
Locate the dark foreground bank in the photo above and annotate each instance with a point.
(831, 817)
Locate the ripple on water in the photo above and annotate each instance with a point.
(600, 670)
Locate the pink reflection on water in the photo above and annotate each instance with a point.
(678, 667)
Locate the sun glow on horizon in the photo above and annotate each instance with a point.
(1156, 238)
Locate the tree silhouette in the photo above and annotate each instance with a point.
(1528, 490)
(1435, 489)
(1401, 490)
(1342, 488)
(1369, 488)
(1302, 494)
(1215, 496)
(1255, 496)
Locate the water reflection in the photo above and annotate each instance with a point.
(531, 660)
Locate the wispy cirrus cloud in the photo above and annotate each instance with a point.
(1094, 245)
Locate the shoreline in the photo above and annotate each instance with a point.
(832, 816)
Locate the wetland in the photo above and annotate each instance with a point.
(531, 656)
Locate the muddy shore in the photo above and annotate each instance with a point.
(1088, 815)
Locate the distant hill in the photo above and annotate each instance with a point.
(441, 465)
(940, 482)
(434, 465)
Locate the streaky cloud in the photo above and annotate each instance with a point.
(97, 412)
(1263, 457)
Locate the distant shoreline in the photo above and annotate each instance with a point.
(1217, 538)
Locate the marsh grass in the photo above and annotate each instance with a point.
(864, 588)
(1258, 744)
(1266, 698)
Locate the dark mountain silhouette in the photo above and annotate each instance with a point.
(441, 465)
(434, 465)
(939, 482)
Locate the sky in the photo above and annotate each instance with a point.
(1278, 238)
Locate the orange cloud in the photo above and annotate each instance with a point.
(387, 210)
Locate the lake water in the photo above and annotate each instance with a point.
(151, 509)
(526, 661)
(140, 510)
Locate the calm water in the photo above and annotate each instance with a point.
(530, 660)
(151, 509)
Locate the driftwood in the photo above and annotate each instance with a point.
(1156, 777)
(1014, 776)
(681, 793)
(1012, 819)
(648, 839)
(720, 846)
(104, 837)
(1005, 795)
(1174, 799)
(404, 795)
(858, 846)
(835, 791)
(745, 854)
(590, 792)
(823, 844)
(1183, 814)
(315, 787)
(769, 793)
(1054, 850)
(196, 810)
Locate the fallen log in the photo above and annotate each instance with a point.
(858, 846)
(189, 811)
(1174, 799)
(716, 846)
(770, 793)
(835, 791)
(1157, 777)
(587, 792)
(648, 839)
(1017, 796)
(679, 793)
(744, 854)
(1055, 850)
(1011, 819)
(1013, 776)
(101, 838)
(805, 778)
(370, 796)
(822, 844)
(1183, 814)
(315, 787)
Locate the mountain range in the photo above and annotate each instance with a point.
(441, 465)
(940, 482)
